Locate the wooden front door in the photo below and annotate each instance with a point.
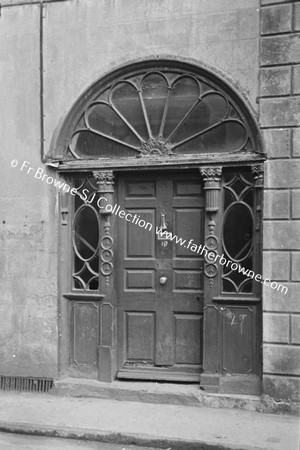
(160, 281)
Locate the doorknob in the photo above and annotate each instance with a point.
(163, 280)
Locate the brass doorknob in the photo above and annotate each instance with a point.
(163, 280)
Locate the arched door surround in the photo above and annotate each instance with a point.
(175, 146)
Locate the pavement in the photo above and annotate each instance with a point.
(167, 426)
(9, 441)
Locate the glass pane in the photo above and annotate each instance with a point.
(247, 286)
(85, 278)
(248, 197)
(238, 186)
(228, 286)
(126, 100)
(228, 198)
(93, 284)
(184, 94)
(155, 91)
(87, 143)
(209, 111)
(238, 231)
(229, 176)
(227, 137)
(103, 119)
(86, 188)
(86, 231)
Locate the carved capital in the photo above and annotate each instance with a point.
(258, 175)
(211, 174)
(212, 185)
(105, 180)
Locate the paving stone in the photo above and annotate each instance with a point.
(277, 142)
(281, 387)
(297, 16)
(276, 328)
(296, 266)
(296, 142)
(295, 329)
(275, 81)
(296, 80)
(295, 204)
(281, 234)
(279, 301)
(281, 359)
(280, 112)
(276, 19)
(280, 50)
(276, 204)
(276, 265)
(282, 173)
(268, 2)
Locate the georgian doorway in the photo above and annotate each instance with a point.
(160, 280)
(176, 147)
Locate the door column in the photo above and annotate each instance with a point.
(209, 379)
(107, 344)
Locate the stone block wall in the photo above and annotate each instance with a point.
(280, 120)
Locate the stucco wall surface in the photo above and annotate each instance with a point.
(28, 304)
(84, 39)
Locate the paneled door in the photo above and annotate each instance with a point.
(160, 277)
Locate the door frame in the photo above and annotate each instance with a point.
(69, 165)
(105, 301)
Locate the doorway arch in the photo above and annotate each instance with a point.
(161, 117)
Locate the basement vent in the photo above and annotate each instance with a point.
(26, 384)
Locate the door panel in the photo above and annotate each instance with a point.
(137, 235)
(140, 330)
(188, 338)
(160, 323)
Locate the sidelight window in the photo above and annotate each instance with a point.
(238, 230)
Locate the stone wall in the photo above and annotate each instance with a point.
(280, 119)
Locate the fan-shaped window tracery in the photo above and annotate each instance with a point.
(159, 113)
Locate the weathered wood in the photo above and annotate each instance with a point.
(160, 282)
(157, 163)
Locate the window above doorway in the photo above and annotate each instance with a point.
(157, 111)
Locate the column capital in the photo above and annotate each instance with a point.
(212, 185)
(211, 173)
(258, 175)
(104, 180)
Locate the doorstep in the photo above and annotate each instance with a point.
(155, 392)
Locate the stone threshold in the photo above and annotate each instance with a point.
(155, 392)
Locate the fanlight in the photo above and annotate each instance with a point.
(159, 113)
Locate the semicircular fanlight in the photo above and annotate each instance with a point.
(158, 113)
